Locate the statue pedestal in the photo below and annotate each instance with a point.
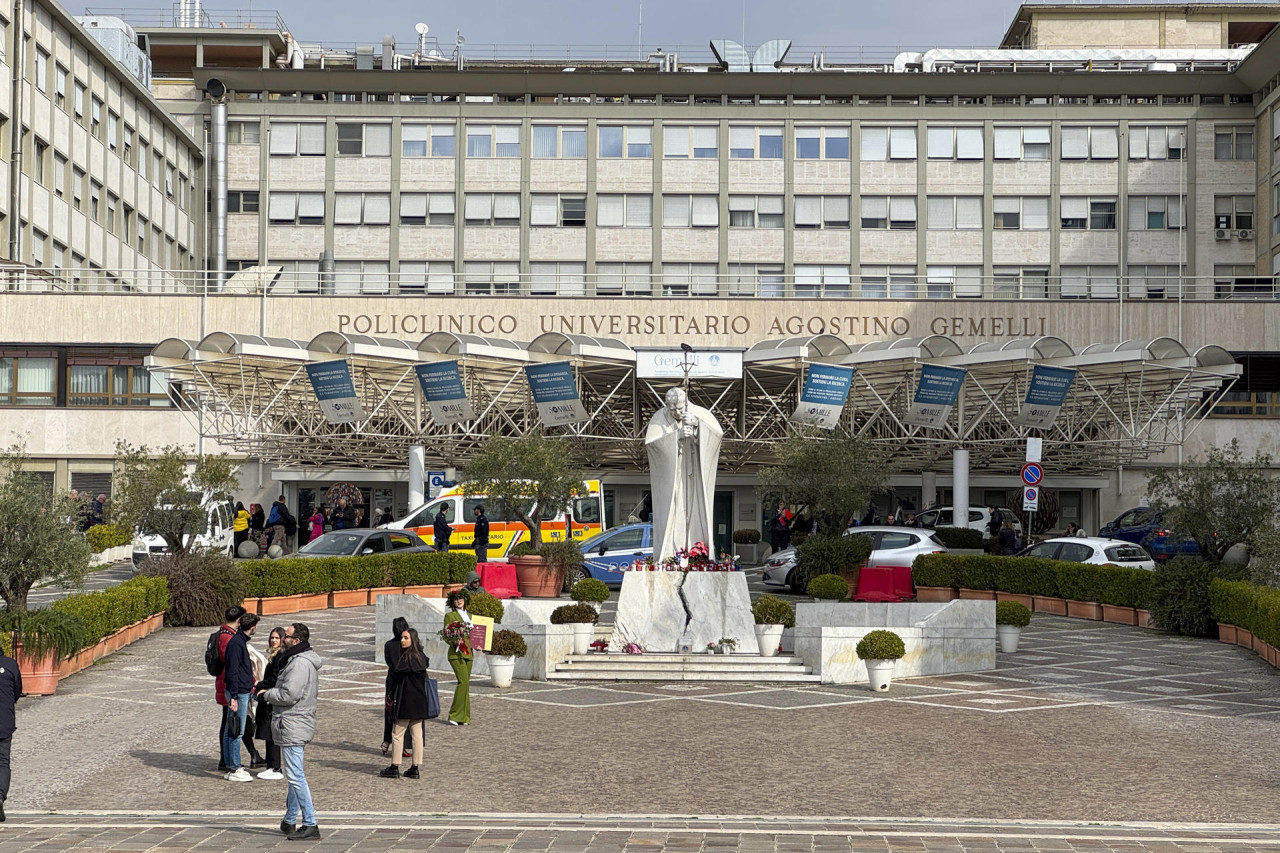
(656, 609)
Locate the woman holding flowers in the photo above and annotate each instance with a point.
(457, 634)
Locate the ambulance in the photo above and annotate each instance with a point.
(586, 514)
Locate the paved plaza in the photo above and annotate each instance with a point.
(1087, 723)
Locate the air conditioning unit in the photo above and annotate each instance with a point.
(1222, 234)
(1245, 234)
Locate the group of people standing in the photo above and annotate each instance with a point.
(278, 525)
(442, 532)
(89, 513)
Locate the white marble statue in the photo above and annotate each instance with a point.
(683, 441)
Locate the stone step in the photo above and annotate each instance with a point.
(654, 659)
(682, 667)
(791, 677)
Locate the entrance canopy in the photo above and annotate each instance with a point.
(1128, 400)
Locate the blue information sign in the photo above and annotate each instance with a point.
(336, 393)
(935, 396)
(1045, 395)
(441, 384)
(826, 388)
(556, 393)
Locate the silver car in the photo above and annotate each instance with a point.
(355, 542)
(1092, 549)
(892, 546)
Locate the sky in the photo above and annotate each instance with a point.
(668, 24)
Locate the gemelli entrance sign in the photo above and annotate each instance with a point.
(936, 395)
(1045, 396)
(442, 387)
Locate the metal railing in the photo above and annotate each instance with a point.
(175, 16)
(274, 281)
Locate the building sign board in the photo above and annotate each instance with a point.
(556, 392)
(441, 384)
(336, 393)
(826, 388)
(703, 364)
(936, 395)
(1045, 396)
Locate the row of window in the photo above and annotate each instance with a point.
(32, 379)
(746, 142)
(944, 213)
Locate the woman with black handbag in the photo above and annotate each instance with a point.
(409, 704)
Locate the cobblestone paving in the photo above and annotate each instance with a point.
(1088, 722)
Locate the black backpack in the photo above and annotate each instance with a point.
(212, 660)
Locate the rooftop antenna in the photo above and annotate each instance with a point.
(458, 42)
(640, 34)
(422, 29)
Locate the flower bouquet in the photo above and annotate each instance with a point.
(458, 636)
(633, 649)
(600, 645)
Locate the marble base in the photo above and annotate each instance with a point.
(656, 609)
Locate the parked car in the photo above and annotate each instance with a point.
(216, 536)
(1091, 549)
(608, 554)
(979, 517)
(893, 546)
(354, 543)
(1145, 526)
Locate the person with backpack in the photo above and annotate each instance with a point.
(238, 678)
(214, 658)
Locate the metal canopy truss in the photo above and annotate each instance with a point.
(1128, 401)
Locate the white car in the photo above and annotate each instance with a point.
(216, 536)
(979, 518)
(892, 546)
(1092, 549)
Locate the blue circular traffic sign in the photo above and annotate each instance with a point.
(1032, 473)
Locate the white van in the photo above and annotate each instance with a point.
(979, 517)
(216, 536)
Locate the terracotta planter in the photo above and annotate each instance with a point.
(98, 650)
(313, 601)
(1025, 600)
(1226, 633)
(1119, 615)
(1144, 619)
(1049, 604)
(115, 642)
(936, 593)
(277, 604)
(1244, 639)
(157, 621)
(384, 590)
(977, 594)
(430, 590)
(535, 580)
(252, 605)
(452, 587)
(132, 633)
(39, 676)
(349, 598)
(1084, 610)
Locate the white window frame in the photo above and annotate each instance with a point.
(1171, 207)
(954, 213)
(484, 278)
(616, 278)
(822, 281)
(1087, 204)
(1234, 134)
(289, 208)
(559, 134)
(1096, 281)
(504, 140)
(690, 279)
(297, 139)
(1089, 142)
(429, 132)
(830, 212)
(1031, 213)
(362, 209)
(955, 142)
(374, 141)
(690, 141)
(1154, 281)
(637, 142)
(1157, 142)
(482, 209)
(1022, 142)
(889, 142)
(690, 211)
(557, 278)
(825, 135)
(894, 281)
(617, 210)
(1239, 212)
(746, 141)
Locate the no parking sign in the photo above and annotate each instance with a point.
(1031, 499)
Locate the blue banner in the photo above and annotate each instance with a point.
(441, 384)
(826, 389)
(1045, 396)
(936, 395)
(331, 381)
(556, 392)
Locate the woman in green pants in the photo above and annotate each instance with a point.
(460, 658)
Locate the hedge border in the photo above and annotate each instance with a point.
(1114, 585)
(316, 575)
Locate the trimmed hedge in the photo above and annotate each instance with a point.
(1249, 606)
(296, 575)
(746, 536)
(959, 537)
(104, 536)
(1116, 585)
(105, 612)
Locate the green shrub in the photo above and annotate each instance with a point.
(979, 571)
(959, 537)
(1180, 594)
(881, 645)
(798, 538)
(831, 555)
(428, 569)
(828, 588)
(1234, 602)
(746, 536)
(1026, 575)
(484, 604)
(507, 642)
(104, 536)
(574, 614)
(1079, 581)
(1012, 613)
(521, 549)
(590, 590)
(105, 612)
(42, 631)
(201, 586)
(562, 555)
(771, 610)
(937, 570)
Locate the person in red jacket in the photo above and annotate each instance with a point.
(228, 630)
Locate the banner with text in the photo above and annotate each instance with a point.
(331, 380)
(442, 387)
(704, 364)
(1048, 391)
(556, 393)
(826, 388)
(935, 395)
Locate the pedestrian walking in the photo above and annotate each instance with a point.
(293, 725)
(391, 656)
(316, 522)
(481, 542)
(460, 659)
(240, 527)
(780, 528)
(993, 523)
(231, 624)
(409, 704)
(262, 713)
(1007, 540)
(442, 530)
(257, 523)
(10, 692)
(237, 671)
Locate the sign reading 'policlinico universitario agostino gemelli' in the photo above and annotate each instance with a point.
(441, 384)
(556, 393)
(826, 388)
(936, 395)
(336, 393)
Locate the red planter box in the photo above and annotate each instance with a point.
(313, 601)
(1226, 633)
(1026, 601)
(279, 604)
(936, 593)
(1084, 610)
(1049, 604)
(977, 594)
(1244, 639)
(1119, 615)
(349, 598)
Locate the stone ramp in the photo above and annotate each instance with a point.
(673, 667)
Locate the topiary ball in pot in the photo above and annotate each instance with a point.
(590, 590)
(746, 536)
(484, 604)
(881, 645)
(574, 614)
(771, 610)
(828, 588)
(508, 643)
(1012, 613)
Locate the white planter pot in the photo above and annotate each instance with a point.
(1009, 636)
(768, 637)
(583, 633)
(501, 668)
(880, 674)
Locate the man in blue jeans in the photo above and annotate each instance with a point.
(293, 724)
(239, 679)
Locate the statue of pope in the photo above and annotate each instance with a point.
(683, 441)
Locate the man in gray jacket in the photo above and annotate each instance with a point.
(293, 724)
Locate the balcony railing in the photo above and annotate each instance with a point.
(182, 15)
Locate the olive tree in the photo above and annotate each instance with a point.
(832, 477)
(1220, 501)
(159, 491)
(533, 478)
(39, 536)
